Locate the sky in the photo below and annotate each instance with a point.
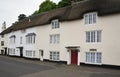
(11, 9)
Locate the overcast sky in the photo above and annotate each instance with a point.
(10, 9)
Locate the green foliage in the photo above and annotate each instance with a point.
(47, 6)
(36, 12)
(64, 3)
(21, 17)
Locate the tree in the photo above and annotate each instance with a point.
(47, 6)
(36, 12)
(21, 17)
(64, 3)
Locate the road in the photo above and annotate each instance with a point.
(13, 68)
(20, 67)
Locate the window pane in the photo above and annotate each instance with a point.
(86, 19)
(87, 36)
(34, 39)
(93, 57)
(94, 18)
(90, 19)
(87, 57)
(52, 25)
(94, 36)
(98, 58)
(98, 36)
(33, 53)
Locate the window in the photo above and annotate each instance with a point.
(54, 55)
(55, 39)
(2, 43)
(93, 57)
(2, 36)
(20, 40)
(93, 36)
(90, 18)
(12, 39)
(30, 38)
(55, 24)
(11, 51)
(30, 53)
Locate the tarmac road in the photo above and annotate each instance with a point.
(13, 68)
(19, 67)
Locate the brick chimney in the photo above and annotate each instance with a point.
(4, 26)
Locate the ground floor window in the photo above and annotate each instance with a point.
(93, 57)
(30, 53)
(11, 51)
(54, 55)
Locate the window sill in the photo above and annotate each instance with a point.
(90, 24)
(93, 63)
(93, 42)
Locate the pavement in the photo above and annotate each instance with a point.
(20, 67)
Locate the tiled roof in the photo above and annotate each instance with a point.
(73, 12)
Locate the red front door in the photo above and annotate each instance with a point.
(74, 57)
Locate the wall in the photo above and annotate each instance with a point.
(73, 33)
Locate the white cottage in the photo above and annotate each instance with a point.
(85, 32)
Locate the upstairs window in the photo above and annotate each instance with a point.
(2, 43)
(30, 38)
(55, 24)
(55, 39)
(93, 36)
(90, 18)
(2, 36)
(12, 39)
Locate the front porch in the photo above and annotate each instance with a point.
(73, 55)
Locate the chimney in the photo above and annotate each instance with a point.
(4, 26)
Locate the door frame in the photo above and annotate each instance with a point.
(21, 51)
(69, 49)
(41, 53)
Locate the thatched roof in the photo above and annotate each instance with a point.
(73, 12)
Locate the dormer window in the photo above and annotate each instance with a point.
(55, 24)
(12, 39)
(90, 18)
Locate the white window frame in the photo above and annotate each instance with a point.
(93, 58)
(12, 40)
(94, 36)
(30, 53)
(55, 24)
(54, 38)
(54, 55)
(30, 39)
(12, 51)
(90, 18)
